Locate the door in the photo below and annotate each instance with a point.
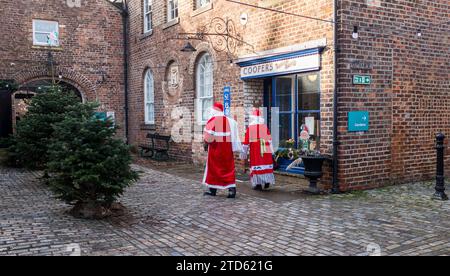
(5, 113)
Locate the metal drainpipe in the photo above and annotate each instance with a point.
(335, 188)
(125, 17)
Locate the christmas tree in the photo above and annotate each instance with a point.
(89, 167)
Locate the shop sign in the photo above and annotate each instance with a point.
(281, 67)
(358, 121)
(364, 80)
(227, 101)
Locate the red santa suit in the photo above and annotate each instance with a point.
(221, 134)
(259, 141)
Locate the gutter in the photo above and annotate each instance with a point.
(335, 189)
(125, 20)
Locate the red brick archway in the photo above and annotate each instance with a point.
(86, 88)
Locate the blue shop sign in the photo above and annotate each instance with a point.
(358, 121)
(227, 101)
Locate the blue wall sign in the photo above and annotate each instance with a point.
(358, 121)
(227, 101)
(101, 116)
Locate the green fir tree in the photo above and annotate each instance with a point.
(89, 167)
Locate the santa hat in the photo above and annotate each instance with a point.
(218, 106)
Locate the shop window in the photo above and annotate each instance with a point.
(172, 10)
(298, 100)
(149, 94)
(45, 33)
(148, 24)
(204, 87)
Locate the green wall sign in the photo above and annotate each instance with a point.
(364, 80)
(358, 121)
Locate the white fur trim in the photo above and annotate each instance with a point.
(262, 179)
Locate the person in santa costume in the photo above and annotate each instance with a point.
(259, 141)
(221, 137)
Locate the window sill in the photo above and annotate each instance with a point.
(147, 34)
(171, 23)
(53, 48)
(202, 9)
(148, 127)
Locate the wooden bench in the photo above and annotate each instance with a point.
(158, 148)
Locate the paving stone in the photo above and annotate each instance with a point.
(167, 215)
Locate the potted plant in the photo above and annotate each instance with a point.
(286, 155)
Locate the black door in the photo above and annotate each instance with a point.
(5, 113)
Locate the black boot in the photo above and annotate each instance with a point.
(257, 188)
(267, 186)
(232, 193)
(211, 192)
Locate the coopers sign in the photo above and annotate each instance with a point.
(281, 67)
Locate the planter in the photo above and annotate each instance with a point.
(313, 171)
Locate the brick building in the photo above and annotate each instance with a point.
(86, 50)
(393, 72)
(393, 68)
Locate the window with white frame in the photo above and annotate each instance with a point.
(201, 3)
(204, 87)
(172, 10)
(45, 33)
(149, 92)
(148, 24)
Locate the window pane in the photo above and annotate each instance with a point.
(206, 105)
(309, 101)
(41, 38)
(204, 85)
(151, 112)
(44, 26)
(309, 83)
(284, 94)
(312, 123)
(148, 22)
(172, 9)
(309, 92)
(285, 128)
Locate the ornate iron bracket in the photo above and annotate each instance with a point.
(221, 34)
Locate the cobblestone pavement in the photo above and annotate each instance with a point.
(167, 215)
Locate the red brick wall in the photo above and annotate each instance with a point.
(409, 100)
(90, 55)
(265, 30)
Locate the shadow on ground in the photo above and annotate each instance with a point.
(286, 189)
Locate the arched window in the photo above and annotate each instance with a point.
(149, 93)
(204, 87)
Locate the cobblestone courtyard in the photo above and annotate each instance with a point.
(167, 215)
